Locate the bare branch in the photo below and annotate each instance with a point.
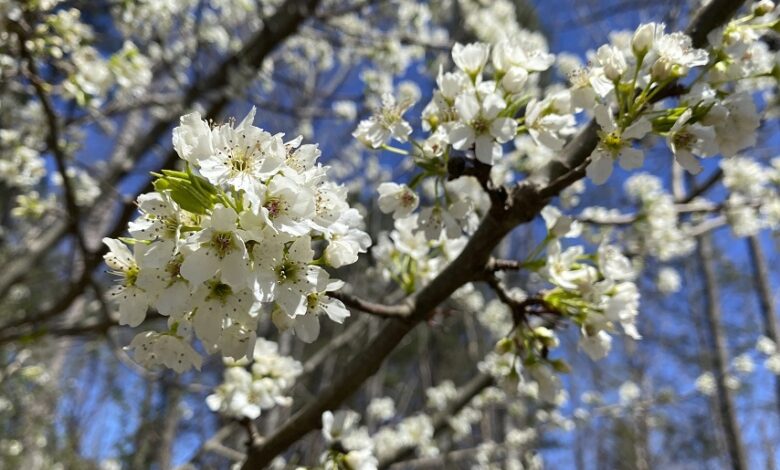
(380, 310)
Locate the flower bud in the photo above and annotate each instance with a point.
(643, 38)
(763, 7)
(611, 58)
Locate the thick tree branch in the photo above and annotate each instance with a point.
(53, 137)
(524, 202)
(703, 187)
(766, 297)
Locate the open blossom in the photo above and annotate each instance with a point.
(286, 204)
(480, 125)
(224, 318)
(218, 247)
(352, 442)
(435, 221)
(688, 140)
(675, 55)
(290, 277)
(613, 264)
(192, 139)
(623, 307)
(170, 350)
(306, 326)
(133, 300)
(563, 269)
(346, 239)
(398, 199)
(161, 218)
(517, 52)
(549, 120)
(388, 122)
(243, 156)
(615, 144)
(736, 122)
(586, 86)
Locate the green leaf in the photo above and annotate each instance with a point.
(192, 193)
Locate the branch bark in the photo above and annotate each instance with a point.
(379, 310)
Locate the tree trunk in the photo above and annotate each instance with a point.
(765, 297)
(719, 354)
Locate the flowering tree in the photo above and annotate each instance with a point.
(416, 190)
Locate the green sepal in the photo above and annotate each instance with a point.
(560, 366)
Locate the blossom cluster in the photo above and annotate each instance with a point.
(598, 297)
(351, 446)
(232, 237)
(625, 83)
(658, 230)
(753, 202)
(245, 393)
(359, 449)
(492, 98)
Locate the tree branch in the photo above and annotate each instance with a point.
(524, 202)
(380, 310)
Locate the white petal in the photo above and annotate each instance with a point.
(604, 118)
(335, 310)
(291, 302)
(132, 307)
(467, 106)
(223, 219)
(503, 129)
(235, 270)
(688, 161)
(485, 149)
(307, 327)
(461, 136)
(638, 129)
(492, 105)
(600, 168)
(198, 267)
